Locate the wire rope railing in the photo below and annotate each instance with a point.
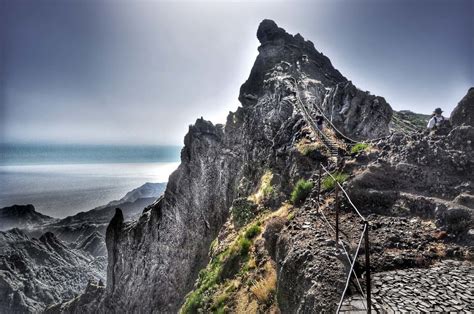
(351, 270)
(365, 232)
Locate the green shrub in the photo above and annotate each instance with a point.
(301, 191)
(328, 183)
(252, 231)
(291, 216)
(245, 245)
(359, 147)
(266, 191)
(243, 211)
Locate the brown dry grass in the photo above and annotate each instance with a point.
(264, 288)
(243, 303)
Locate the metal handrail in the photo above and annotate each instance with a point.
(345, 250)
(351, 269)
(335, 128)
(345, 193)
(407, 125)
(366, 224)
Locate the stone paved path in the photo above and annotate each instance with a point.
(445, 287)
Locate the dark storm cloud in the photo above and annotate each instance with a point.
(110, 71)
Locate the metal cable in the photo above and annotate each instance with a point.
(325, 141)
(329, 122)
(352, 268)
(345, 250)
(407, 125)
(345, 193)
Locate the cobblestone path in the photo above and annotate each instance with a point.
(445, 287)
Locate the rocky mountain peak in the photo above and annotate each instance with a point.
(279, 46)
(463, 114)
(268, 30)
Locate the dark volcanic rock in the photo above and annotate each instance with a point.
(357, 114)
(154, 261)
(463, 114)
(277, 46)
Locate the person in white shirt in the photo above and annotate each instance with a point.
(437, 119)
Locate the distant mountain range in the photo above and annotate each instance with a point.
(46, 260)
(22, 216)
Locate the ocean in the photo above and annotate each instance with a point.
(62, 180)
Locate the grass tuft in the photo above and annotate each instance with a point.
(265, 287)
(301, 191)
(252, 231)
(265, 190)
(359, 147)
(328, 183)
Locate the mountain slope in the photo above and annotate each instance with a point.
(37, 272)
(77, 228)
(22, 216)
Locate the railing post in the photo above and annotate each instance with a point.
(337, 214)
(319, 182)
(367, 267)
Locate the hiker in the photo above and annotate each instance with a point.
(436, 120)
(319, 122)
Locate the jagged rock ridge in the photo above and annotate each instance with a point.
(51, 260)
(37, 272)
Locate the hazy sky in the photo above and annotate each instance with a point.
(142, 71)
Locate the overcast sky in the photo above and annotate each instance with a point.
(142, 71)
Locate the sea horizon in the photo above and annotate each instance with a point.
(63, 179)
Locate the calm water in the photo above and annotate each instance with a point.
(61, 180)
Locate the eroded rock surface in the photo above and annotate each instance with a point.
(37, 272)
(463, 114)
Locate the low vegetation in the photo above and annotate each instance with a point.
(241, 277)
(301, 191)
(221, 267)
(328, 183)
(359, 147)
(265, 190)
(266, 287)
(243, 211)
(306, 148)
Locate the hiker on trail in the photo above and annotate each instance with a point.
(437, 119)
(319, 122)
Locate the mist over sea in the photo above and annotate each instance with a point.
(61, 180)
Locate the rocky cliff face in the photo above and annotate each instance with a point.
(51, 260)
(37, 272)
(154, 262)
(463, 114)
